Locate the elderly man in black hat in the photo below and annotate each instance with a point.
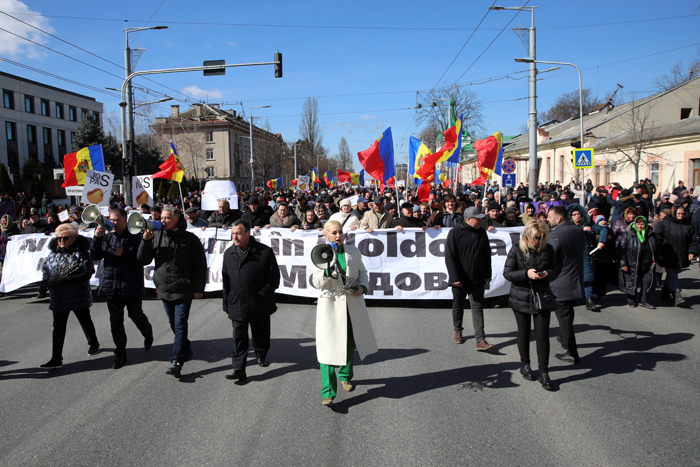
(256, 216)
(407, 220)
(193, 220)
(36, 224)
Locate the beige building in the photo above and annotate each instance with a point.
(39, 121)
(661, 131)
(215, 144)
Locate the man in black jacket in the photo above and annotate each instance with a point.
(225, 216)
(568, 241)
(468, 261)
(255, 216)
(180, 276)
(407, 220)
(121, 282)
(250, 276)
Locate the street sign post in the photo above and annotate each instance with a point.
(508, 166)
(509, 180)
(583, 158)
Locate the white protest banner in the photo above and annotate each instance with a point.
(63, 216)
(303, 182)
(401, 265)
(142, 190)
(215, 191)
(353, 199)
(98, 186)
(74, 190)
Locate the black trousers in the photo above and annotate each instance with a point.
(565, 316)
(116, 320)
(524, 322)
(476, 302)
(60, 321)
(260, 331)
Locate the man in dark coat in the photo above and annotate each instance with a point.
(36, 225)
(180, 276)
(255, 216)
(250, 276)
(225, 216)
(568, 241)
(493, 220)
(451, 217)
(121, 282)
(468, 261)
(407, 221)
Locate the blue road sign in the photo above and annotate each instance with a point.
(509, 181)
(583, 158)
(508, 166)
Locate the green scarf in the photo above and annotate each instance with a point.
(8, 219)
(643, 234)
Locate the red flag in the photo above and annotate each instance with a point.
(295, 181)
(344, 176)
(423, 191)
(392, 182)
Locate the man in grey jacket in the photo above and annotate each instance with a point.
(568, 241)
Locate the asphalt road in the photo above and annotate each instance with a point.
(421, 400)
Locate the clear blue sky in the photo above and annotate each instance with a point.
(364, 61)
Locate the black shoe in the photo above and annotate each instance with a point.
(526, 371)
(41, 295)
(175, 369)
(148, 342)
(590, 305)
(188, 355)
(678, 298)
(647, 305)
(237, 376)
(94, 350)
(632, 303)
(566, 357)
(544, 380)
(52, 364)
(561, 342)
(119, 361)
(262, 361)
(666, 294)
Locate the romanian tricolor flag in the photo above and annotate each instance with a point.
(274, 183)
(362, 177)
(489, 150)
(417, 151)
(449, 151)
(172, 168)
(327, 177)
(76, 165)
(378, 159)
(314, 176)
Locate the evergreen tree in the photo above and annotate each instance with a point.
(90, 133)
(163, 188)
(6, 185)
(38, 187)
(30, 168)
(174, 191)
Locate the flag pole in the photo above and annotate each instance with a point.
(182, 199)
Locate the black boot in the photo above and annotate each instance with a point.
(666, 294)
(590, 305)
(526, 371)
(544, 380)
(679, 299)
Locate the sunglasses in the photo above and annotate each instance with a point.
(537, 238)
(63, 239)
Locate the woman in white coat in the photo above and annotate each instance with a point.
(342, 321)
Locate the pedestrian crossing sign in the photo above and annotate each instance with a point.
(583, 158)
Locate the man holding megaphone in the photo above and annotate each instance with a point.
(121, 282)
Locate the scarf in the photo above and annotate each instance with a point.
(8, 223)
(643, 234)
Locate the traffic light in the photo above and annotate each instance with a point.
(278, 64)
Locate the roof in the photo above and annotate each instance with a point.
(36, 83)
(680, 128)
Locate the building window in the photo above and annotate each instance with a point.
(29, 104)
(11, 131)
(607, 175)
(561, 168)
(210, 154)
(45, 108)
(31, 134)
(72, 114)
(654, 173)
(210, 136)
(209, 171)
(72, 136)
(686, 113)
(96, 116)
(61, 137)
(597, 176)
(83, 113)
(8, 99)
(59, 110)
(47, 135)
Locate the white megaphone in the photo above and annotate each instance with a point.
(137, 224)
(324, 256)
(92, 214)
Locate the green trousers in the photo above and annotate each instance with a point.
(328, 379)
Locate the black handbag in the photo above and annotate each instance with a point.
(542, 301)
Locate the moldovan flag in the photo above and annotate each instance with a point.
(274, 183)
(442, 177)
(489, 150)
(362, 177)
(172, 168)
(327, 177)
(348, 177)
(423, 191)
(378, 159)
(76, 165)
(449, 151)
(314, 176)
(417, 151)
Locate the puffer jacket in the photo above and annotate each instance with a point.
(181, 265)
(515, 271)
(677, 239)
(122, 276)
(289, 220)
(597, 234)
(619, 228)
(249, 285)
(468, 256)
(628, 255)
(69, 291)
(447, 219)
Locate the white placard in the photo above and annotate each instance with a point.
(63, 216)
(142, 190)
(224, 234)
(74, 190)
(98, 187)
(104, 210)
(353, 199)
(303, 182)
(215, 191)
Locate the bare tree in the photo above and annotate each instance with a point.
(677, 75)
(344, 157)
(568, 106)
(430, 136)
(310, 131)
(434, 108)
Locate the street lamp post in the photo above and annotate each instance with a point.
(252, 166)
(128, 129)
(580, 100)
(533, 175)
